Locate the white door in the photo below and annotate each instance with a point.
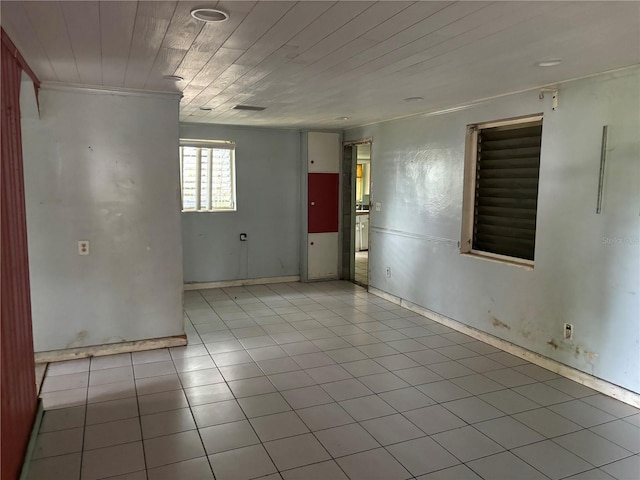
(323, 152)
(323, 255)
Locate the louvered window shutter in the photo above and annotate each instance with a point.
(506, 189)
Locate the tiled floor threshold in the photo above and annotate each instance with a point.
(324, 382)
(362, 266)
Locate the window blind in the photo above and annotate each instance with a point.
(506, 189)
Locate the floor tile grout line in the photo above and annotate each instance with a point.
(506, 450)
(311, 464)
(609, 440)
(553, 439)
(151, 468)
(84, 423)
(195, 423)
(142, 439)
(541, 441)
(262, 443)
(427, 435)
(351, 423)
(539, 406)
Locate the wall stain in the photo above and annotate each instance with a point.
(579, 353)
(497, 323)
(591, 355)
(78, 339)
(587, 354)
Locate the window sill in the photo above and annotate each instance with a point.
(525, 264)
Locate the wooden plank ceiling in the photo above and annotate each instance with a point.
(310, 63)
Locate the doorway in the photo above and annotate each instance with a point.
(356, 204)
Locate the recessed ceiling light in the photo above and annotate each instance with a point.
(413, 99)
(550, 63)
(206, 109)
(342, 118)
(209, 15)
(174, 78)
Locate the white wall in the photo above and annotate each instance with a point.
(579, 278)
(103, 167)
(268, 209)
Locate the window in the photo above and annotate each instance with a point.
(207, 174)
(501, 189)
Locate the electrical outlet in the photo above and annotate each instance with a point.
(388, 272)
(568, 331)
(378, 206)
(83, 247)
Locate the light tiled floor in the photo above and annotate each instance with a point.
(324, 381)
(362, 265)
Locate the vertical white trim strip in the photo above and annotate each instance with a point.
(232, 176)
(198, 177)
(210, 178)
(181, 149)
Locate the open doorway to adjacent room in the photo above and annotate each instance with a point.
(356, 203)
(362, 190)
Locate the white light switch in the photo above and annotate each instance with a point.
(83, 247)
(378, 206)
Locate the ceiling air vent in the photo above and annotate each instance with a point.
(249, 108)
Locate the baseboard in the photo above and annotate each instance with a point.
(241, 283)
(41, 370)
(31, 446)
(110, 349)
(595, 383)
